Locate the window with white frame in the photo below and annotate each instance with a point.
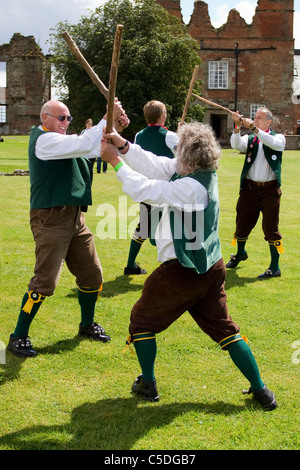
(218, 75)
(3, 84)
(3, 75)
(253, 109)
(2, 114)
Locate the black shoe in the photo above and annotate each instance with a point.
(21, 347)
(136, 270)
(93, 331)
(265, 397)
(144, 389)
(235, 259)
(270, 273)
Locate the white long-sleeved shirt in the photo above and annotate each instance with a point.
(146, 178)
(171, 140)
(260, 171)
(54, 146)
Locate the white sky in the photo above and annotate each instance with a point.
(37, 17)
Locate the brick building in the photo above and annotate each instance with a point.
(296, 95)
(245, 66)
(25, 85)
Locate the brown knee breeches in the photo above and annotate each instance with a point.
(60, 235)
(253, 200)
(172, 289)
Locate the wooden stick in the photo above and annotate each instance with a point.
(76, 52)
(188, 98)
(113, 78)
(211, 103)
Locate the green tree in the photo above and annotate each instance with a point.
(156, 62)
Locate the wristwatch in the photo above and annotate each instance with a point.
(123, 146)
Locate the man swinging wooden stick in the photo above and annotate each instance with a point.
(60, 194)
(260, 184)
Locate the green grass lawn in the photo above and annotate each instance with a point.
(76, 393)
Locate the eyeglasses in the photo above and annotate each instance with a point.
(62, 117)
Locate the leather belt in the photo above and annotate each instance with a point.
(260, 183)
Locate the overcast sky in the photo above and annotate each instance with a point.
(37, 17)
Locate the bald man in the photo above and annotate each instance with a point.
(60, 193)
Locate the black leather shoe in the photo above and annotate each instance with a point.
(235, 259)
(93, 331)
(265, 397)
(21, 347)
(270, 273)
(145, 389)
(136, 270)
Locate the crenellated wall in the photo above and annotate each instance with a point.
(260, 58)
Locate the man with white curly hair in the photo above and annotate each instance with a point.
(184, 195)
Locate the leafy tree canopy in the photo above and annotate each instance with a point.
(157, 59)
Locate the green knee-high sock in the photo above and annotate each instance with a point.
(241, 247)
(87, 298)
(29, 307)
(274, 258)
(145, 347)
(134, 249)
(243, 358)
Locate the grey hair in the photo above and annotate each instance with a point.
(197, 149)
(269, 114)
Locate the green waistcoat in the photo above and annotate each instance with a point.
(65, 182)
(195, 234)
(273, 157)
(153, 139)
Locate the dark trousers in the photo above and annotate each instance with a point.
(173, 289)
(99, 160)
(253, 200)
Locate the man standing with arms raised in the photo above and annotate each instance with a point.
(191, 274)
(259, 186)
(161, 141)
(60, 191)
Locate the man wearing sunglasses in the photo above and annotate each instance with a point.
(60, 191)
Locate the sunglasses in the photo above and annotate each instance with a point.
(62, 117)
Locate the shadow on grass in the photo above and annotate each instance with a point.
(120, 285)
(14, 364)
(61, 346)
(11, 368)
(233, 279)
(109, 424)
